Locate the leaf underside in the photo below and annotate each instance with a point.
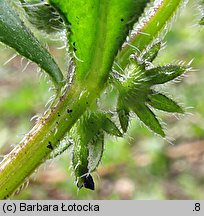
(42, 16)
(97, 31)
(15, 34)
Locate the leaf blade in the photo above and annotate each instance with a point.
(162, 102)
(96, 148)
(94, 31)
(15, 34)
(110, 127)
(123, 114)
(148, 118)
(42, 16)
(163, 74)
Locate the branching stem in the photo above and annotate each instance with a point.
(37, 145)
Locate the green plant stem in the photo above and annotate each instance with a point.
(37, 145)
(42, 139)
(149, 30)
(45, 136)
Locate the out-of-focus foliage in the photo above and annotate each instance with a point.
(141, 166)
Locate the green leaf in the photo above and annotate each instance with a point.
(80, 156)
(98, 30)
(124, 119)
(15, 34)
(88, 147)
(80, 151)
(110, 127)
(148, 118)
(88, 136)
(152, 53)
(162, 102)
(43, 16)
(123, 114)
(96, 148)
(163, 74)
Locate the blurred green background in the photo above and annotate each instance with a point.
(140, 166)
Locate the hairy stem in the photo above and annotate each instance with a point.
(37, 145)
(42, 139)
(149, 29)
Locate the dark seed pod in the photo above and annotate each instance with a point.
(88, 182)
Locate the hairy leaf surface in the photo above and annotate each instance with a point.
(97, 31)
(162, 102)
(15, 34)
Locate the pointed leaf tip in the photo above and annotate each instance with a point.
(96, 148)
(124, 119)
(163, 74)
(162, 102)
(148, 118)
(111, 128)
(152, 53)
